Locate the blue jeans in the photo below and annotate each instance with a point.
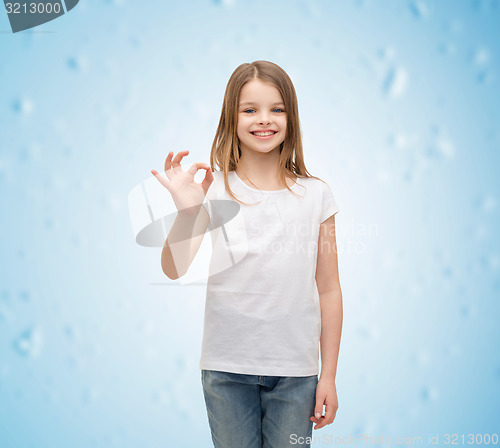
(253, 411)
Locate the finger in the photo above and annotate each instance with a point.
(168, 166)
(168, 161)
(320, 423)
(315, 420)
(207, 181)
(161, 179)
(318, 410)
(329, 414)
(195, 166)
(176, 161)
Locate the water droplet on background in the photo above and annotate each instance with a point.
(429, 393)
(23, 106)
(30, 342)
(396, 82)
(24, 295)
(74, 63)
(419, 9)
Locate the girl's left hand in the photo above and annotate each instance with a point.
(326, 394)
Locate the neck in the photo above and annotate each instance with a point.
(260, 168)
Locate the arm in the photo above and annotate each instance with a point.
(330, 296)
(191, 222)
(183, 241)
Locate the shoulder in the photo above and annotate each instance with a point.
(218, 176)
(214, 186)
(317, 186)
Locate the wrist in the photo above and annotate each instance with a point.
(328, 373)
(190, 212)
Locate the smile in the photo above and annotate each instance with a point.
(263, 135)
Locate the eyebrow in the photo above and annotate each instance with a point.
(250, 103)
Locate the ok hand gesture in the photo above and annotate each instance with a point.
(186, 193)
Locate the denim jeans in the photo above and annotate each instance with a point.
(254, 411)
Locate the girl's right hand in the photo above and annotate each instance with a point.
(186, 193)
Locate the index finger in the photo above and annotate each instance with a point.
(168, 161)
(176, 161)
(195, 166)
(329, 414)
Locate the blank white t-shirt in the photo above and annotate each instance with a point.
(262, 311)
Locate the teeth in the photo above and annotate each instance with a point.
(263, 134)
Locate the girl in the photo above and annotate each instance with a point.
(273, 291)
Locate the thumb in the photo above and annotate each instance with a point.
(318, 410)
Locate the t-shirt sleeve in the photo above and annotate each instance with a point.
(329, 205)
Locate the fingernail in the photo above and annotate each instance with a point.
(318, 415)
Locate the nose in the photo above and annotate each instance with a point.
(264, 118)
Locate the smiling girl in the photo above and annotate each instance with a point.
(273, 293)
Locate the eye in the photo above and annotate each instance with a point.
(276, 108)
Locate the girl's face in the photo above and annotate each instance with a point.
(261, 108)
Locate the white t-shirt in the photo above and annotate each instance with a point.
(262, 311)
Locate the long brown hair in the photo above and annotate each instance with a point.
(226, 151)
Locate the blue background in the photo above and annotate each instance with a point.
(399, 105)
